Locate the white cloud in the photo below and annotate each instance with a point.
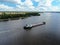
(48, 2)
(37, 0)
(29, 2)
(53, 8)
(27, 5)
(46, 5)
(12, 1)
(5, 7)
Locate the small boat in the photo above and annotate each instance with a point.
(28, 26)
(34, 25)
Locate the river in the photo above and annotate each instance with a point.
(13, 33)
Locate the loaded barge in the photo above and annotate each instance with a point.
(34, 25)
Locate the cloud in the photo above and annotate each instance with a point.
(12, 1)
(5, 8)
(27, 5)
(53, 8)
(48, 2)
(46, 5)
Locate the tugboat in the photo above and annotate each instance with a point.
(31, 26)
(28, 26)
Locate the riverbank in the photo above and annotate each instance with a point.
(1, 20)
(6, 17)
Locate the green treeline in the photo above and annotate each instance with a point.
(33, 14)
(6, 16)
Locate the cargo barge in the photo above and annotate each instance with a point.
(33, 25)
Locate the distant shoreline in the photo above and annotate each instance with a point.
(9, 19)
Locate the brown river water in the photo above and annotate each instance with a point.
(13, 33)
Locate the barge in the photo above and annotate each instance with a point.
(34, 25)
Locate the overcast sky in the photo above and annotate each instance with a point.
(29, 5)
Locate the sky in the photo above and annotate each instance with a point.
(29, 5)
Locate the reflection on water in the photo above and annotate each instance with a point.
(12, 32)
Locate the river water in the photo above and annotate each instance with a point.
(13, 33)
